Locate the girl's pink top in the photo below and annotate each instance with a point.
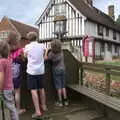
(6, 68)
(16, 53)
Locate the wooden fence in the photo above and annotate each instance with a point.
(107, 91)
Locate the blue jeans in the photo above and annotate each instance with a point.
(10, 104)
(59, 78)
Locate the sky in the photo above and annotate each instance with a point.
(28, 11)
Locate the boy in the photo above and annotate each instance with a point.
(58, 68)
(34, 52)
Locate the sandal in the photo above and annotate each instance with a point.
(35, 116)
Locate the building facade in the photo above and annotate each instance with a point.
(82, 18)
(7, 25)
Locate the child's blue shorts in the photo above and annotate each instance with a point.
(59, 78)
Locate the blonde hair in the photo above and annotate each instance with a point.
(4, 49)
(32, 36)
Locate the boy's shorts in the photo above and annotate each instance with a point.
(59, 78)
(35, 81)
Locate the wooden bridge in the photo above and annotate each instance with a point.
(100, 90)
(97, 81)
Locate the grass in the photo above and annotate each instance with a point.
(116, 63)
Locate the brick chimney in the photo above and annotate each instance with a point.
(90, 2)
(111, 12)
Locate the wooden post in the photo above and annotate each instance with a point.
(81, 74)
(108, 81)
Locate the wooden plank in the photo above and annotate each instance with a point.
(94, 69)
(109, 101)
(107, 81)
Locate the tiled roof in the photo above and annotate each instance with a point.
(95, 14)
(22, 28)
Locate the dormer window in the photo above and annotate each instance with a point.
(114, 35)
(107, 31)
(100, 29)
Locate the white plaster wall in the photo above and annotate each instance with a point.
(75, 25)
(90, 28)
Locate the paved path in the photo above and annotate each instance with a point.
(73, 112)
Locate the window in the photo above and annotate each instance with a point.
(100, 30)
(60, 9)
(102, 47)
(116, 48)
(3, 35)
(114, 35)
(107, 31)
(109, 47)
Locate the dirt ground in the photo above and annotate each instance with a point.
(57, 113)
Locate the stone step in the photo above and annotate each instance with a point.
(84, 115)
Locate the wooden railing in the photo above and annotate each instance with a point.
(99, 82)
(107, 70)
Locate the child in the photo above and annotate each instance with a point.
(34, 52)
(6, 84)
(58, 67)
(16, 54)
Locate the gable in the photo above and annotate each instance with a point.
(22, 28)
(5, 25)
(50, 9)
(90, 12)
(74, 20)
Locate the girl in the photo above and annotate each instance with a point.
(16, 54)
(6, 84)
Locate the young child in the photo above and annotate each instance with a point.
(6, 84)
(16, 54)
(34, 52)
(58, 67)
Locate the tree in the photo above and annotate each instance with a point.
(118, 20)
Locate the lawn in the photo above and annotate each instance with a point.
(116, 63)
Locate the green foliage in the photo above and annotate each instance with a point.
(115, 63)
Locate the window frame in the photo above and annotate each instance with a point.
(107, 32)
(116, 49)
(100, 30)
(102, 47)
(114, 35)
(109, 46)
